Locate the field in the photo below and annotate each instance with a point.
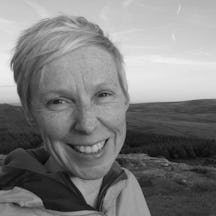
(178, 131)
(175, 130)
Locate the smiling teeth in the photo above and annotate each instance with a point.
(90, 149)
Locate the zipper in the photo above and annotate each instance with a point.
(103, 193)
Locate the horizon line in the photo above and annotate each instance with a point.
(174, 101)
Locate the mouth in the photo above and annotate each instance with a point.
(89, 149)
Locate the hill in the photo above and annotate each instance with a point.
(172, 129)
(192, 119)
(15, 131)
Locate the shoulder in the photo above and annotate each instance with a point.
(132, 197)
(131, 179)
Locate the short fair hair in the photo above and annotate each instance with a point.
(51, 38)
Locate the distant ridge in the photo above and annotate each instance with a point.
(146, 122)
(191, 106)
(194, 118)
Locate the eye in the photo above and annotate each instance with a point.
(58, 104)
(104, 94)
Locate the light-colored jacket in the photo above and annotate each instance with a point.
(123, 198)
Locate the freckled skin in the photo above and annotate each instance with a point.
(89, 107)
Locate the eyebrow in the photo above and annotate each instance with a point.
(55, 92)
(66, 91)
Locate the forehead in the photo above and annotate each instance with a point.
(87, 64)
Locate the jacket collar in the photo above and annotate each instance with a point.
(32, 160)
(30, 166)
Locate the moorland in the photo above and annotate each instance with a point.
(158, 136)
(174, 130)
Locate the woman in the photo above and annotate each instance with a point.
(71, 82)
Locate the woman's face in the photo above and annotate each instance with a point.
(80, 109)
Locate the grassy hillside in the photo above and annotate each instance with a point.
(174, 130)
(192, 119)
(15, 131)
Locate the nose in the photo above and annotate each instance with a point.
(86, 120)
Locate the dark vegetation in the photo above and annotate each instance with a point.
(9, 141)
(172, 130)
(170, 147)
(15, 131)
(178, 131)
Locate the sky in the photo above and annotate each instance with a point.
(169, 46)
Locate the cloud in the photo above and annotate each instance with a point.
(141, 47)
(129, 31)
(179, 9)
(6, 76)
(9, 26)
(104, 13)
(4, 62)
(173, 37)
(38, 8)
(8, 94)
(127, 3)
(141, 60)
(202, 52)
(125, 34)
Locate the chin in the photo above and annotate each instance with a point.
(90, 173)
(87, 166)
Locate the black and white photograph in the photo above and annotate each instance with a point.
(107, 107)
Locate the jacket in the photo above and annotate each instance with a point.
(27, 188)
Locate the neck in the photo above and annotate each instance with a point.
(89, 189)
(52, 165)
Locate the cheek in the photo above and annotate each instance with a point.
(53, 125)
(114, 118)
